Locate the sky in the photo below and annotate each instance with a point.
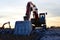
(14, 10)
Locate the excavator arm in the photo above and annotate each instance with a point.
(29, 8)
(5, 24)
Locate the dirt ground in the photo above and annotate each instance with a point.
(16, 37)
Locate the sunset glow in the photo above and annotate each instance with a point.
(14, 10)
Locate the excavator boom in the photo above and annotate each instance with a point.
(31, 7)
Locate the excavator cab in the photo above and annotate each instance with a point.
(42, 18)
(41, 22)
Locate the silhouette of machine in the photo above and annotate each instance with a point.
(38, 20)
(4, 30)
(5, 24)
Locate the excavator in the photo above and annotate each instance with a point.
(4, 30)
(5, 24)
(38, 20)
